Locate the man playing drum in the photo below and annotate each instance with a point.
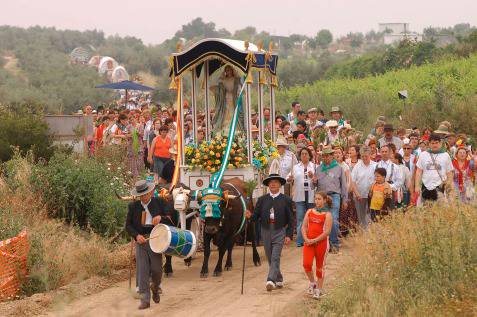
(143, 215)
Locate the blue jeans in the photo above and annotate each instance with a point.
(301, 208)
(335, 212)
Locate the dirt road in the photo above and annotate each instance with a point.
(186, 293)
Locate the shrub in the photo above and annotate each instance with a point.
(23, 127)
(59, 254)
(81, 191)
(422, 263)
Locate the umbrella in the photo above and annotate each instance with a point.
(126, 85)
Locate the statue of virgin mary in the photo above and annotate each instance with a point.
(226, 93)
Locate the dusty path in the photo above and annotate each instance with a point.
(186, 293)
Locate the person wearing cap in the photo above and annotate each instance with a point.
(313, 121)
(443, 132)
(274, 212)
(434, 168)
(332, 135)
(389, 137)
(330, 178)
(337, 115)
(143, 215)
(255, 133)
(287, 159)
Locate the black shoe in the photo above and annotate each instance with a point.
(144, 305)
(156, 297)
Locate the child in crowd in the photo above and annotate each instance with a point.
(380, 195)
(315, 230)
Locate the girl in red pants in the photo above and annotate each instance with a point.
(315, 229)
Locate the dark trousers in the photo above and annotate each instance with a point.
(149, 268)
(273, 240)
(431, 194)
(147, 165)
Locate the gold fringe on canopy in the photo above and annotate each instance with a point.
(251, 59)
(263, 79)
(173, 84)
(274, 80)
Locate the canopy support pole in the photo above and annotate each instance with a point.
(206, 95)
(272, 113)
(194, 105)
(181, 118)
(261, 123)
(248, 119)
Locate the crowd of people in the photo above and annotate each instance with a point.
(337, 177)
(368, 176)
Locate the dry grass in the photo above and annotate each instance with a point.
(422, 263)
(60, 254)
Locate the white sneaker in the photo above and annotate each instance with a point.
(279, 284)
(310, 289)
(270, 286)
(316, 293)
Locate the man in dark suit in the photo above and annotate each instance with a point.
(143, 215)
(274, 211)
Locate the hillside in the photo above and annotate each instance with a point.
(446, 90)
(35, 65)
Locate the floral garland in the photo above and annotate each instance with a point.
(263, 153)
(208, 155)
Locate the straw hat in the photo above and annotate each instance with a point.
(281, 141)
(327, 151)
(332, 124)
(442, 129)
(312, 110)
(335, 109)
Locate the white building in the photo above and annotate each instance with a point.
(398, 32)
(395, 28)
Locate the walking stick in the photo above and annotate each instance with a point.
(130, 264)
(249, 186)
(243, 260)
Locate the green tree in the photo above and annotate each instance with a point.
(246, 34)
(324, 38)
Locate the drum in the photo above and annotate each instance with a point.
(172, 241)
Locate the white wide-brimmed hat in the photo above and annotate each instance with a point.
(332, 124)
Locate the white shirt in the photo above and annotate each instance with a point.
(431, 171)
(299, 187)
(363, 176)
(393, 174)
(148, 220)
(287, 161)
(275, 195)
(147, 129)
(332, 137)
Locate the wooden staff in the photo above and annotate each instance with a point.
(130, 263)
(243, 260)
